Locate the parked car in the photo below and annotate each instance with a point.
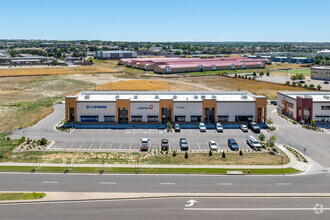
(250, 140)
(144, 144)
(183, 144)
(177, 128)
(232, 144)
(244, 128)
(254, 127)
(326, 82)
(273, 102)
(202, 127)
(302, 81)
(213, 145)
(218, 127)
(164, 144)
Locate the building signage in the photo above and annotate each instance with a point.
(180, 107)
(95, 106)
(145, 107)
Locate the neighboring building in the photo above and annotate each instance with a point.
(181, 65)
(300, 60)
(281, 59)
(305, 106)
(114, 54)
(163, 107)
(320, 72)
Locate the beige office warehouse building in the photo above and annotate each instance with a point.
(320, 72)
(162, 107)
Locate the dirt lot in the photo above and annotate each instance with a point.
(142, 158)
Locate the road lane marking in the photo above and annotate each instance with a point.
(283, 184)
(251, 209)
(109, 183)
(167, 183)
(51, 182)
(225, 184)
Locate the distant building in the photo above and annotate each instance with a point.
(320, 72)
(305, 106)
(114, 54)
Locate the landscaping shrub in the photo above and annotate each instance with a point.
(174, 153)
(186, 155)
(210, 153)
(241, 153)
(223, 155)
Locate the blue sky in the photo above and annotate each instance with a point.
(171, 20)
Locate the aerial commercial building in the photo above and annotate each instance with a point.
(305, 106)
(320, 72)
(181, 65)
(114, 54)
(162, 107)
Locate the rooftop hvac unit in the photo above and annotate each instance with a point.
(87, 96)
(117, 96)
(244, 96)
(203, 96)
(156, 97)
(326, 97)
(308, 96)
(135, 97)
(196, 97)
(175, 97)
(214, 97)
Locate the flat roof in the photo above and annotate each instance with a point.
(321, 67)
(136, 96)
(316, 96)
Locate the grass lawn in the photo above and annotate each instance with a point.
(136, 85)
(21, 196)
(141, 158)
(305, 72)
(145, 170)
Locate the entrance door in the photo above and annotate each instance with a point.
(71, 119)
(209, 115)
(123, 115)
(166, 115)
(259, 115)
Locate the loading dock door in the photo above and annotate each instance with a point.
(209, 115)
(123, 115)
(166, 115)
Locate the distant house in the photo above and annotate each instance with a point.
(114, 54)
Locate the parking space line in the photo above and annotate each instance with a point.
(49, 182)
(91, 145)
(111, 145)
(232, 131)
(108, 130)
(167, 183)
(130, 146)
(83, 130)
(82, 144)
(198, 146)
(99, 130)
(72, 145)
(190, 130)
(283, 184)
(120, 145)
(116, 130)
(101, 145)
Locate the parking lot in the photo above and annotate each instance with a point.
(105, 139)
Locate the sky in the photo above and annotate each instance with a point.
(166, 21)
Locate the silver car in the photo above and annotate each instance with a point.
(244, 128)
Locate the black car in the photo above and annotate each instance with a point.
(273, 102)
(164, 144)
(177, 128)
(302, 81)
(254, 127)
(232, 144)
(183, 144)
(326, 82)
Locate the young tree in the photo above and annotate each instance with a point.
(186, 155)
(261, 137)
(271, 141)
(223, 154)
(319, 87)
(210, 153)
(312, 122)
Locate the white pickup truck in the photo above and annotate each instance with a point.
(250, 140)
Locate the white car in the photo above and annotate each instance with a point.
(212, 145)
(144, 144)
(218, 127)
(202, 127)
(250, 140)
(244, 128)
